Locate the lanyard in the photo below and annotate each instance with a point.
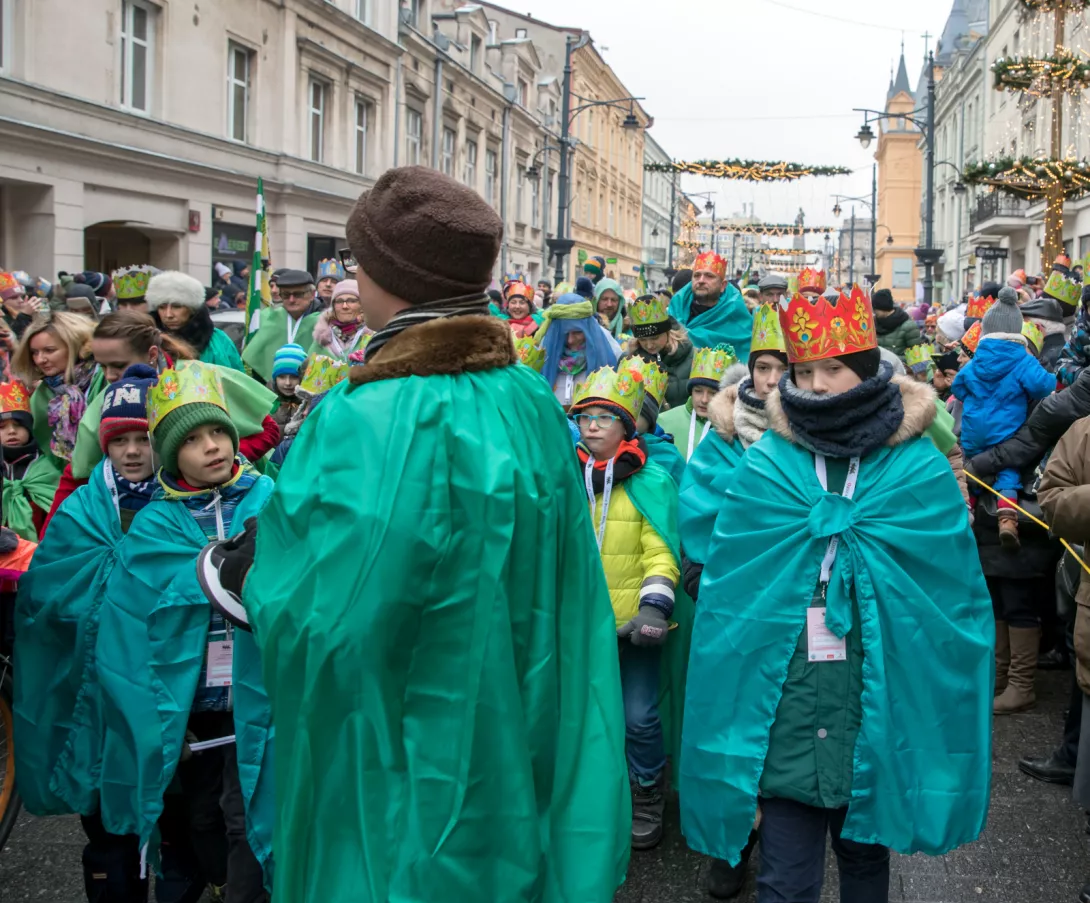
(849, 491)
(111, 485)
(293, 327)
(692, 434)
(607, 491)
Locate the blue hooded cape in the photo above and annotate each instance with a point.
(728, 323)
(922, 761)
(602, 350)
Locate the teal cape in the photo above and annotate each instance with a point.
(447, 700)
(37, 486)
(222, 351)
(922, 763)
(151, 643)
(728, 323)
(57, 716)
(709, 472)
(654, 494)
(664, 453)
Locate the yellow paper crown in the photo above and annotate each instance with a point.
(192, 384)
(132, 282)
(622, 388)
(1064, 290)
(1034, 334)
(322, 374)
(712, 363)
(917, 354)
(646, 311)
(529, 353)
(767, 332)
(655, 379)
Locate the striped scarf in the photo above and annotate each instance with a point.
(424, 313)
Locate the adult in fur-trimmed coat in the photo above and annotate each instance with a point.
(176, 302)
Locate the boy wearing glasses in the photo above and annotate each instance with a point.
(633, 505)
(291, 323)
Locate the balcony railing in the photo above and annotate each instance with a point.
(993, 205)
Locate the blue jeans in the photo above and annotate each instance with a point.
(793, 856)
(644, 747)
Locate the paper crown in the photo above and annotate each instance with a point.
(917, 355)
(189, 384)
(1034, 334)
(518, 288)
(655, 379)
(330, 269)
(14, 398)
(529, 353)
(812, 280)
(827, 327)
(711, 261)
(7, 281)
(971, 339)
(648, 314)
(1066, 291)
(977, 307)
(132, 282)
(712, 363)
(623, 388)
(767, 332)
(322, 373)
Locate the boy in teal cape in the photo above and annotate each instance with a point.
(178, 683)
(857, 702)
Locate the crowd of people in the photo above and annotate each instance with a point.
(439, 589)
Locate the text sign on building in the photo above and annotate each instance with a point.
(991, 252)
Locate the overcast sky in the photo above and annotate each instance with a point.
(758, 79)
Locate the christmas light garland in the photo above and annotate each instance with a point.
(1040, 75)
(1050, 6)
(1030, 177)
(776, 230)
(748, 170)
(785, 252)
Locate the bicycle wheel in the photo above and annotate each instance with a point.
(9, 797)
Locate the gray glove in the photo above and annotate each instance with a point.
(648, 628)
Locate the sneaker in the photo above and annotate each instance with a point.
(647, 809)
(726, 880)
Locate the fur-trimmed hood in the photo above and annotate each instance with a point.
(445, 347)
(918, 400)
(323, 328)
(721, 412)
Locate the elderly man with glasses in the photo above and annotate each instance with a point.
(291, 322)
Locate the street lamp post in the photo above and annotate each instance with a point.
(872, 277)
(709, 207)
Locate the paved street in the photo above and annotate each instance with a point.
(1035, 848)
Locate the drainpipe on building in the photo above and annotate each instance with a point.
(397, 109)
(505, 168)
(437, 113)
(958, 280)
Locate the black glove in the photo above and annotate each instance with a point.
(691, 572)
(648, 628)
(238, 557)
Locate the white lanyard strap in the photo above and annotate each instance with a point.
(692, 434)
(111, 485)
(607, 491)
(849, 491)
(293, 327)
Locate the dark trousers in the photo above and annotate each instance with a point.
(1015, 601)
(1069, 746)
(793, 856)
(111, 865)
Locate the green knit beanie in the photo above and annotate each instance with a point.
(172, 429)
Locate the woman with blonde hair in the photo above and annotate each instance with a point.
(661, 339)
(55, 354)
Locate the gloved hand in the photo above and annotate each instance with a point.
(648, 628)
(238, 556)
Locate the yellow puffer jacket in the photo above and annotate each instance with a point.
(631, 552)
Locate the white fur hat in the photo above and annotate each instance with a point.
(173, 287)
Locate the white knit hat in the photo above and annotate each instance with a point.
(173, 287)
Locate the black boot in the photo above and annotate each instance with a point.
(1084, 894)
(1052, 770)
(726, 880)
(647, 809)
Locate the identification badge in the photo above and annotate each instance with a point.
(221, 655)
(821, 643)
(567, 390)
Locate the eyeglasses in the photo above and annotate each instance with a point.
(348, 259)
(346, 300)
(603, 421)
(295, 293)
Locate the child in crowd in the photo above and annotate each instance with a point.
(320, 374)
(30, 478)
(182, 692)
(660, 338)
(995, 388)
(287, 365)
(634, 512)
(689, 423)
(575, 345)
(660, 444)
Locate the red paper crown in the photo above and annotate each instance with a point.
(824, 328)
(711, 261)
(7, 281)
(518, 288)
(971, 339)
(812, 280)
(14, 397)
(977, 307)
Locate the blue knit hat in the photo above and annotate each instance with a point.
(289, 360)
(125, 404)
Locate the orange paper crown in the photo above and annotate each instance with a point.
(977, 307)
(8, 281)
(812, 280)
(824, 328)
(971, 339)
(711, 261)
(14, 397)
(518, 288)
